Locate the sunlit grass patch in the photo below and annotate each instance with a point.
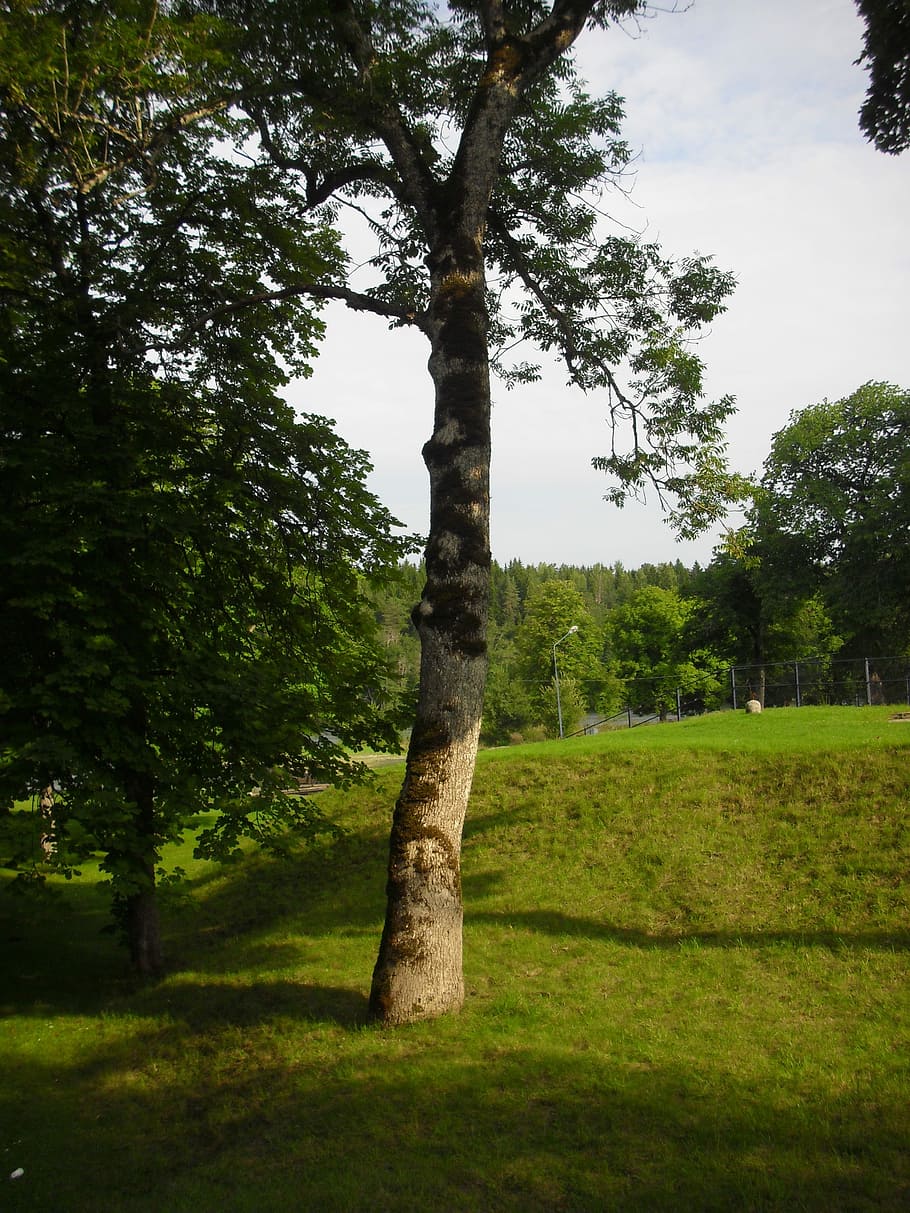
(686, 962)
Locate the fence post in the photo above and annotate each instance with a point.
(796, 671)
(629, 710)
(678, 707)
(868, 684)
(733, 684)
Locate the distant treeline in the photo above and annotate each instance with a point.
(531, 607)
(819, 572)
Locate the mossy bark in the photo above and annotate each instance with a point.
(418, 974)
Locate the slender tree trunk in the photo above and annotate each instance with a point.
(418, 974)
(144, 929)
(140, 905)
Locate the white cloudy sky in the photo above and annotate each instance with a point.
(744, 114)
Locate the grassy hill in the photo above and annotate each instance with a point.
(687, 969)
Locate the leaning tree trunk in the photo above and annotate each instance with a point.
(418, 974)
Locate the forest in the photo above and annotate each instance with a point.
(817, 574)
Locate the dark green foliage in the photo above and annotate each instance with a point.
(833, 509)
(752, 614)
(885, 114)
(508, 706)
(181, 624)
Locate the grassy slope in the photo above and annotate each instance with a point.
(686, 955)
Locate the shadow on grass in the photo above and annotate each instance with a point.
(59, 956)
(56, 957)
(435, 1122)
(57, 952)
(553, 922)
(207, 1005)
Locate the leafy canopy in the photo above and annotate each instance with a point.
(885, 114)
(833, 509)
(181, 558)
(649, 641)
(377, 111)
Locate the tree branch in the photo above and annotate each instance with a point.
(356, 300)
(320, 189)
(494, 21)
(566, 327)
(385, 118)
(514, 62)
(561, 319)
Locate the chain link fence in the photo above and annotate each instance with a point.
(849, 681)
(853, 682)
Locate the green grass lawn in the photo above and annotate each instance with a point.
(686, 954)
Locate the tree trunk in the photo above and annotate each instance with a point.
(144, 929)
(418, 974)
(48, 825)
(140, 904)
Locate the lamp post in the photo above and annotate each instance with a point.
(571, 632)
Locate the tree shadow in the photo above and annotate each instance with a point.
(556, 923)
(209, 1004)
(59, 954)
(441, 1124)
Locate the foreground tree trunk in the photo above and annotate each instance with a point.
(140, 917)
(418, 974)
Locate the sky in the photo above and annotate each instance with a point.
(743, 117)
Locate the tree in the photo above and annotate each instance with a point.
(554, 608)
(885, 114)
(833, 509)
(181, 627)
(753, 616)
(478, 159)
(647, 639)
(508, 706)
(746, 610)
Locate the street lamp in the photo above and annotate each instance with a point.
(571, 632)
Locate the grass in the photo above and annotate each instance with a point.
(686, 959)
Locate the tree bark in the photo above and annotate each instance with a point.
(418, 974)
(140, 906)
(143, 928)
